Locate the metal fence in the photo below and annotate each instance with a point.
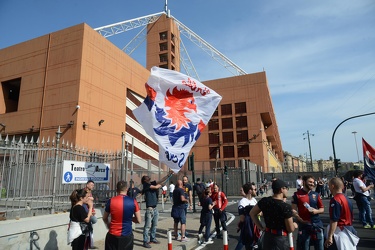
(31, 175)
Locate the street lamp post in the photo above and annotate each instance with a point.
(308, 139)
(355, 141)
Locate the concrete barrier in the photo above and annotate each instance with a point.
(45, 232)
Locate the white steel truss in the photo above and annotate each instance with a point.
(120, 27)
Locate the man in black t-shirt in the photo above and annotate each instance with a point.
(178, 210)
(149, 191)
(188, 193)
(277, 215)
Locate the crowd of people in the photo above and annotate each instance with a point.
(270, 232)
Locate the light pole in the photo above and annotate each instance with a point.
(308, 138)
(355, 141)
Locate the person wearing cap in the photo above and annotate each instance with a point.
(309, 205)
(278, 217)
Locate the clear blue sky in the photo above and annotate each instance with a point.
(319, 56)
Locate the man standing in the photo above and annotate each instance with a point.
(341, 216)
(152, 215)
(121, 209)
(188, 193)
(199, 189)
(325, 186)
(309, 205)
(178, 211)
(246, 225)
(89, 187)
(299, 182)
(220, 202)
(277, 215)
(362, 197)
(133, 191)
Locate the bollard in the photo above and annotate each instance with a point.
(225, 240)
(169, 234)
(291, 244)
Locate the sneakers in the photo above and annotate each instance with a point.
(155, 241)
(184, 239)
(219, 236)
(367, 226)
(146, 245)
(373, 227)
(200, 239)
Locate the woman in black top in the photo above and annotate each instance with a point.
(206, 215)
(277, 216)
(79, 214)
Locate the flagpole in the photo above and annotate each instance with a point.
(334, 132)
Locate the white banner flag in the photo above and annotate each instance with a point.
(175, 111)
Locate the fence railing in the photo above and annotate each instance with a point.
(31, 175)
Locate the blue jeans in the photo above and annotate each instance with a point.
(306, 234)
(151, 222)
(365, 213)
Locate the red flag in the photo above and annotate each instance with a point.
(369, 160)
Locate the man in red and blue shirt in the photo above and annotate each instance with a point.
(340, 213)
(309, 205)
(121, 208)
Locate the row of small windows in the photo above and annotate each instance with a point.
(229, 151)
(226, 109)
(227, 123)
(228, 137)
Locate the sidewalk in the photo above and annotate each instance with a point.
(165, 223)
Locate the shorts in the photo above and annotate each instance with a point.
(178, 215)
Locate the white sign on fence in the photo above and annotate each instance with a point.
(80, 172)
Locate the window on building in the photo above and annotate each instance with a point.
(11, 94)
(226, 109)
(241, 122)
(242, 136)
(216, 113)
(163, 57)
(228, 151)
(163, 46)
(240, 107)
(214, 164)
(213, 152)
(228, 137)
(164, 66)
(230, 164)
(243, 150)
(213, 138)
(163, 35)
(227, 123)
(213, 124)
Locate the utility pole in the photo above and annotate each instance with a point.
(308, 138)
(355, 141)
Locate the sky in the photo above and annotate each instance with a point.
(319, 56)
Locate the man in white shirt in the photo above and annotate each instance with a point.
(362, 198)
(299, 182)
(248, 201)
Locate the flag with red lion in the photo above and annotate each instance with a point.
(174, 113)
(369, 160)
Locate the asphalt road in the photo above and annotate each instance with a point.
(366, 242)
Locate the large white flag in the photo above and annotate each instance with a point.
(175, 111)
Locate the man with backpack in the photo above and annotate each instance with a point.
(199, 188)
